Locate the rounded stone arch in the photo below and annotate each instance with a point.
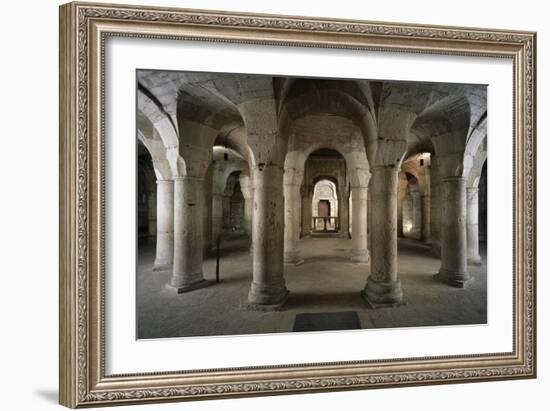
(476, 152)
(233, 211)
(226, 161)
(357, 166)
(231, 182)
(412, 208)
(350, 99)
(320, 199)
(331, 179)
(146, 193)
(417, 165)
(149, 138)
(478, 162)
(448, 124)
(158, 131)
(319, 147)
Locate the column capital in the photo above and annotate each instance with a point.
(188, 178)
(457, 179)
(162, 181)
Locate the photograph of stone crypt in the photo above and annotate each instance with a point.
(283, 204)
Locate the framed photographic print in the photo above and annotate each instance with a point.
(260, 204)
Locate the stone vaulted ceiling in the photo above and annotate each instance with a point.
(216, 100)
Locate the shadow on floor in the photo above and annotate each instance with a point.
(304, 300)
(421, 278)
(50, 395)
(416, 247)
(330, 321)
(325, 258)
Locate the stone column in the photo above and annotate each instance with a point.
(306, 210)
(435, 207)
(293, 217)
(209, 245)
(343, 212)
(401, 198)
(268, 285)
(359, 251)
(247, 190)
(426, 208)
(454, 256)
(383, 286)
(165, 225)
(369, 219)
(188, 234)
(416, 203)
(472, 226)
(152, 214)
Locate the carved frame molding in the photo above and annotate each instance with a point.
(83, 30)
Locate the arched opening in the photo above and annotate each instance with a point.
(325, 180)
(483, 207)
(413, 198)
(233, 204)
(412, 209)
(324, 207)
(146, 195)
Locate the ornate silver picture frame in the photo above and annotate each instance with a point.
(85, 29)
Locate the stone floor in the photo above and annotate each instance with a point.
(325, 282)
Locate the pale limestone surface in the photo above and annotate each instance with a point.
(327, 281)
(405, 159)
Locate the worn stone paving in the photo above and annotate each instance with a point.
(327, 281)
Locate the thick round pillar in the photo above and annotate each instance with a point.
(293, 217)
(165, 225)
(268, 284)
(416, 208)
(359, 251)
(152, 214)
(247, 190)
(343, 212)
(383, 285)
(435, 208)
(472, 226)
(188, 234)
(454, 257)
(426, 208)
(306, 211)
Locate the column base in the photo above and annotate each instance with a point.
(474, 260)
(266, 296)
(455, 279)
(159, 267)
(184, 288)
(360, 256)
(380, 294)
(293, 257)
